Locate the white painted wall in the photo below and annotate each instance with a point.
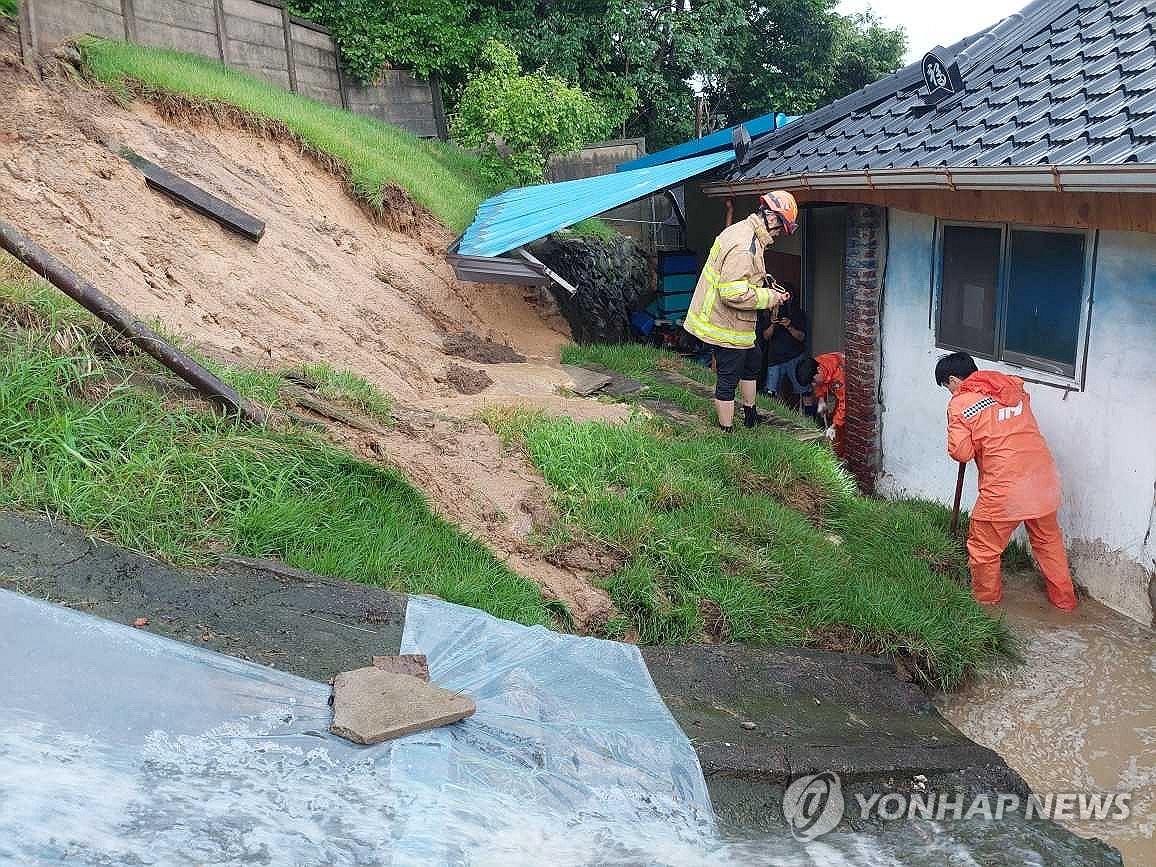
(1104, 438)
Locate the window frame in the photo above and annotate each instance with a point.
(1054, 372)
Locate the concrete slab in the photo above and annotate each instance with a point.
(371, 705)
(585, 382)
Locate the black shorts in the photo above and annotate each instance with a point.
(733, 365)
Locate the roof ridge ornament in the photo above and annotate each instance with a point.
(941, 76)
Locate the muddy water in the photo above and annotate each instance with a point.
(1078, 715)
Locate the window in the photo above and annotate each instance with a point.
(1013, 294)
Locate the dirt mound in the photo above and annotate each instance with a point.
(473, 348)
(327, 283)
(467, 380)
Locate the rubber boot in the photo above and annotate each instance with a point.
(751, 416)
(726, 429)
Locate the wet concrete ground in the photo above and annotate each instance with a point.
(1079, 715)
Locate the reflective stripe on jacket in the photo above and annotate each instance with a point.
(730, 289)
(990, 419)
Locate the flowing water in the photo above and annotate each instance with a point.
(1079, 715)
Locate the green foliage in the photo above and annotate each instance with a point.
(751, 56)
(595, 228)
(769, 529)
(518, 121)
(442, 178)
(441, 36)
(8, 8)
(180, 484)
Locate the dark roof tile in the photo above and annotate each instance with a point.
(1109, 128)
(1074, 152)
(1073, 81)
(1117, 151)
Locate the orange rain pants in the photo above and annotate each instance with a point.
(986, 542)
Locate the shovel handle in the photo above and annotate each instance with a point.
(958, 497)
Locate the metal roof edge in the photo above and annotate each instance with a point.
(1125, 177)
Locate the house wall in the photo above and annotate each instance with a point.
(1102, 437)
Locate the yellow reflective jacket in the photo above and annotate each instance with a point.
(731, 288)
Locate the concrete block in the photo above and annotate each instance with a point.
(371, 705)
(253, 56)
(307, 55)
(255, 33)
(177, 38)
(248, 10)
(307, 36)
(178, 15)
(57, 21)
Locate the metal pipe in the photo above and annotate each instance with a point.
(121, 320)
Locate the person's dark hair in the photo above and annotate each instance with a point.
(806, 369)
(957, 364)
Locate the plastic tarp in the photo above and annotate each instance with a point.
(121, 747)
(518, 216)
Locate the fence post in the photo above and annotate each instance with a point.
(26, 32)
(222, 32)
(340, 75)
(129, 14)
(439, 109)
(287, 24)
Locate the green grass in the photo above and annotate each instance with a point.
(769, 529)
(444, 179)
(79, 443)
(595, 228)
(8, 8)
(349, 388)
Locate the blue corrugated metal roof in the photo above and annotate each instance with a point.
(521, 215)
(716, 141)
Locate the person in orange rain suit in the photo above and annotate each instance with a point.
(828, 383)
(989, 418)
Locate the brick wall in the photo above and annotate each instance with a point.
(862, 292)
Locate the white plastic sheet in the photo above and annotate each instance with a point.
(121, 747)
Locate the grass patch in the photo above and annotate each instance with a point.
(349, 388)
(595, 229)
(78, 442)
(755, 536)
(8, 8)
(444, 179)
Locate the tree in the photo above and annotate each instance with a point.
(519, 121)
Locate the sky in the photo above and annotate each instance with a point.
(935, 23)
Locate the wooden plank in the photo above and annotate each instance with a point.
(199, 200)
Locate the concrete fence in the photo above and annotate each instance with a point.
(260, 37)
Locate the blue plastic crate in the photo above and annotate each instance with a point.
(678, 263)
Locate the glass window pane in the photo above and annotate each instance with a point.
(1045, 289)
(968, 288)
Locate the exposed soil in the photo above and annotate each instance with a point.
(467, 380)
(469, 346)
(328, 282)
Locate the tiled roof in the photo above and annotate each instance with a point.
(1065, 82)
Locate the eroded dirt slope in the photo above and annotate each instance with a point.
(326, 283)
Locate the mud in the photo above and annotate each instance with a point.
(1079, 715)
(291, 620)
(467, 380)
(327, 283)
(469, 346)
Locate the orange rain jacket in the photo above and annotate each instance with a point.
(834, 385)
(990, 419)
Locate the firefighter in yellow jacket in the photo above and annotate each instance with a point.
(732, 288)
